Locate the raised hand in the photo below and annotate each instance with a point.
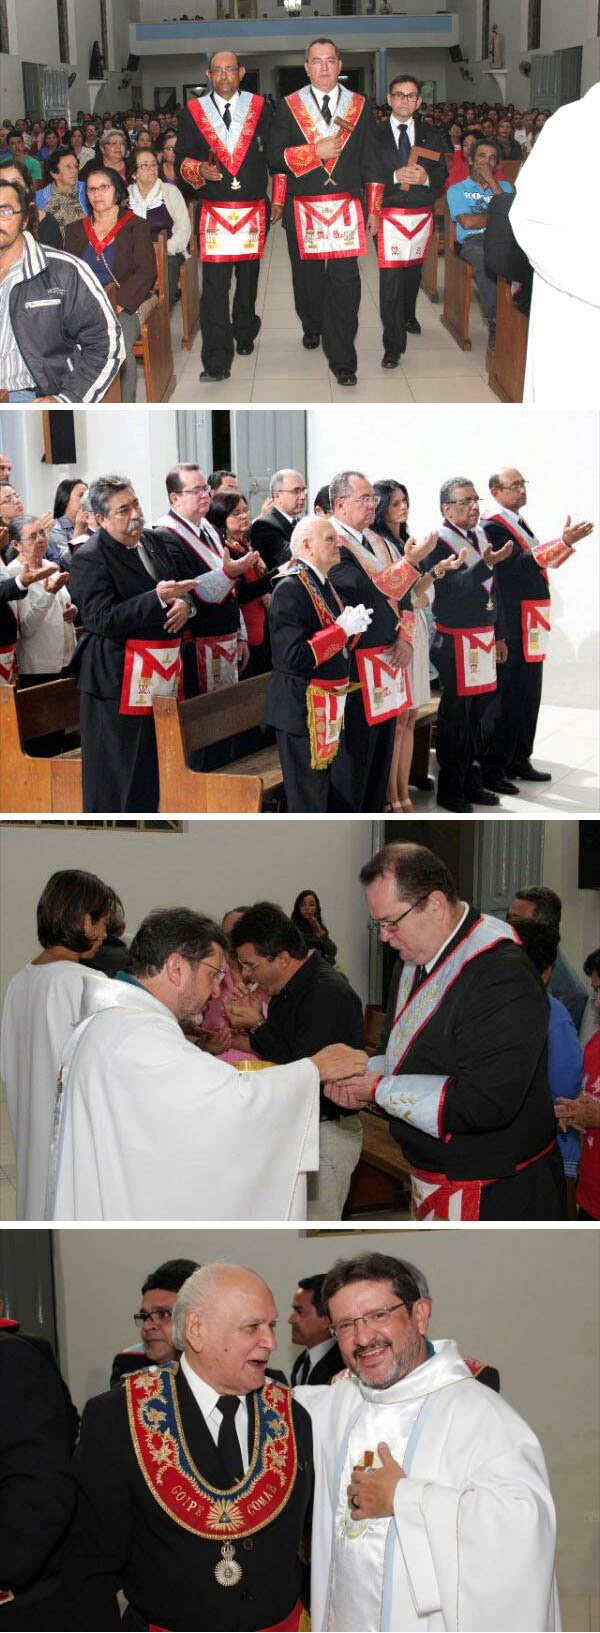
(55, 582)
(492, 557)
(573, 532)
(417, 552)
(32, 575)
(236, 566)
(171, 589)
(450, 564)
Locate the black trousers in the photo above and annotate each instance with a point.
(512, 718)
(398, 290)
(537, 1192)
(220, 326)
(305, 789)
(460, 731)
(327, 300)
(361, 767)
(118, 752)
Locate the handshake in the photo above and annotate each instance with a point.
(355, 620)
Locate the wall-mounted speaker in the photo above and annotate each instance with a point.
(455, 53)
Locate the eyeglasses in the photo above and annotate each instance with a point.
(513, 487)
(392, 924)
(244, 965)
(406, 96)
(218, 973)
(6, 211)
(160, 1313)
(374, 1318)
(461, 504)
(201, 487)
(293, 490)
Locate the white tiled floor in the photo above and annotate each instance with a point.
(567, 745)
(433, 369)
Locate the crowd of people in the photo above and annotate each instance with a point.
(102, 190)
(349, 614)
(200, 1470)
(195, 1033)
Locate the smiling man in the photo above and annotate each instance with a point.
(195, 1481)
(432, 1507)
(463, 1079)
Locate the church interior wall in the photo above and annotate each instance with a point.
(526, 1302)
(558, 455)
(562, 26)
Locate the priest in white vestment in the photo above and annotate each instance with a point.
(432, 1506)
(147, 1126)
(556, 220)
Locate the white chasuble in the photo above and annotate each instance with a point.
(471, 1543)
(148, 1126)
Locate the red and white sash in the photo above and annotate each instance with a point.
(232, 232)
(208, 119)
(458, 542)
(546, 555)
(535, 630)
(152, 669)
(329, 226)
(414, 1013)
(217, 661)
(404, 236)
(211, 554)
(385, 692)
(307, 113)
(8, 665)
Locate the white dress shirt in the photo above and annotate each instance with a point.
(432, 961)
(206, 1398)
(410, 131)
(320, 576)
(334, 97)
(229, 137)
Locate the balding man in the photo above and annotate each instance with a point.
(221, 150)
(310, 630)
(270, 534)
(525, 591)
(195, 1480)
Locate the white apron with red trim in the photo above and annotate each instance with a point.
(535, 629)
(216, 657)
(233, 232)
(474, 660)
(404, 236)
(151, 669)
(329, 226)
(385, 692)
(8, 665)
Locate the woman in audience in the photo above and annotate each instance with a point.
(509, 149)
(165, 210)
(112, 147)
(43, 1005)
(67, 500)
(391, 522)
(42, 226)
(62, 195)
(118, 247)
(46, 640)
(76, 145)
(308, 918)
(230, 515)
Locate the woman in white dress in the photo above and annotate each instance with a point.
(391, 524)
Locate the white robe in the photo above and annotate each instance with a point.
(556, 221)
(147, 1126)
(472, 1541)
(43, 1006)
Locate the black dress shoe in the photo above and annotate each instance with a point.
(500, 785)
(454, 804)
(390, 360)
(217, 374)
(528, 773)
(345, 377)
(310, 341)
(482, 796)
(244, 351)
(412, 326)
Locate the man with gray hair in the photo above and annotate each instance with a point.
(129, 652)
(195, 1480)
(467, 644)
(270, 534)
(310, 631)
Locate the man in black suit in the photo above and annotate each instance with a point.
(162, 1460)
(37, 1493)
(322, 140)
(221, 143)
(132, 612)
(320, 1358)
(155, 1320)
(410, 188)
(270, 534)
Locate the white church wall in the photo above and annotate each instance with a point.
(562, 26)
(557, 453)
(140, 443)
(527, 1302)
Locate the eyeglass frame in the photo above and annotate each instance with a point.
(369, 1315)
(161, 1313)
(392, 924)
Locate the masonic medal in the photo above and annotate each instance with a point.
(228, 1572)
(235, 185)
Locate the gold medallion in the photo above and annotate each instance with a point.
(228, 1572)
(235, 185)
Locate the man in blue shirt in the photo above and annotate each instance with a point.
(468, 202)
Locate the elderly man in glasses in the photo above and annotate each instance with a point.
(432, 1507)
(463, 1079)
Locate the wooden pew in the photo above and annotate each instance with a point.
(154, 345)
(424, 730)
(458, 283)
(506, 371)
(184, 728)
(380, 1182)
(189, 285)
(28, 782)
(429, 279)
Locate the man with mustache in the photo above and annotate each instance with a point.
(432, 1506)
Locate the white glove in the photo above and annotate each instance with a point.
(354, 620)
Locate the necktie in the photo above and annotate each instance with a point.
(417, 978)
(304, 1369)
(403, 145)
(326, 110)
(228, 1444)
(227, 116)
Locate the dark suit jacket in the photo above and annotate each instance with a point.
(356, 166)
(325, 1369)
(37, 1493)
(415, 198)
(253, 174)
(9, 592)
(117, 600)
(271, 535)
(292, 623)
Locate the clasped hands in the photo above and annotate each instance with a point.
(355, 620)
(352, 1091)
(371, 1491)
